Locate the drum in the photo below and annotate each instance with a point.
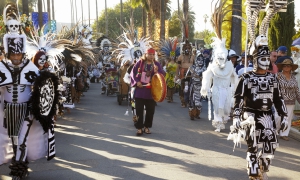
(158, 87)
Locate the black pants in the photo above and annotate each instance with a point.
(150, 109)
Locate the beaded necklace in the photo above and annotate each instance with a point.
(148, 72)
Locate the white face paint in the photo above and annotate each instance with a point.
(42, 60)
(263, 63)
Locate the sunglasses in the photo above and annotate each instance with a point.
(286, 66)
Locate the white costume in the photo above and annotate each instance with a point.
(220, 73)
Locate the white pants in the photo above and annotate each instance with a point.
(290, 109)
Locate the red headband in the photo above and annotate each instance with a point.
(151, 51)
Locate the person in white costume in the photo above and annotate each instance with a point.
(219, 81)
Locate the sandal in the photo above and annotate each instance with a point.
(139, 132)
(147, 130)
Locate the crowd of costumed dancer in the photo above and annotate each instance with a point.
(41, 75)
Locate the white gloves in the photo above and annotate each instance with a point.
(284, 123)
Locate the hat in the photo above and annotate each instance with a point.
(282, 48)
(205, 52)
(287, 61)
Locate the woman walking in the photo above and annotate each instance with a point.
(290, 91)
(170, 78)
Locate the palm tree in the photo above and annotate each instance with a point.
(49, 10)
(25, 7)
(162, 19)
(106, 20)
(121, 14)
(40, 10)
(145, 5)
(236, 26)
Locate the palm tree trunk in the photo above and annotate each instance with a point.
(97, 26)
(49, 10)
(90, 13)
(178, 8)
(149, 25)
(40, 10)
(144, 22)
(106, 20)
(81, 13)
(121, 14)
(185, 7)
(53, 17)
(25, 7)
(162, 19)
(236, 27)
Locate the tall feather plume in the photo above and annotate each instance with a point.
(270, 14)
(218, 14)
(184, 26)
(252, 18)
(10, 12)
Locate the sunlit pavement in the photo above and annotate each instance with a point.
(97, 141)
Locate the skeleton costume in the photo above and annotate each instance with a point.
(28, 139)
(195, 72)
(104, 61)
(255, 94)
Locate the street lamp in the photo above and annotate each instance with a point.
(205, 20)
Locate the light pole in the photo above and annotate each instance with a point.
(205, 20)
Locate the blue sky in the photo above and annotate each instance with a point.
(200, 7)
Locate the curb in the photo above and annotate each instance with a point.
(295, 134)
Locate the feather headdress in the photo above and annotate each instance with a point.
(128, 51)
(170, 48)
(252, 13)
(130, 48)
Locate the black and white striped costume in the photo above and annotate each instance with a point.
(195, 71)
(254, 97)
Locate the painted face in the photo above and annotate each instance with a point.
(42, 60)
(263, 63)
(199, 61)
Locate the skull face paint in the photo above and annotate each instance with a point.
(42, 60)
(263, 63)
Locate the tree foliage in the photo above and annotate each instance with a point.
(206, 35)
(113, 15)
(281, 28)
(31, 4)
(175, 25)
